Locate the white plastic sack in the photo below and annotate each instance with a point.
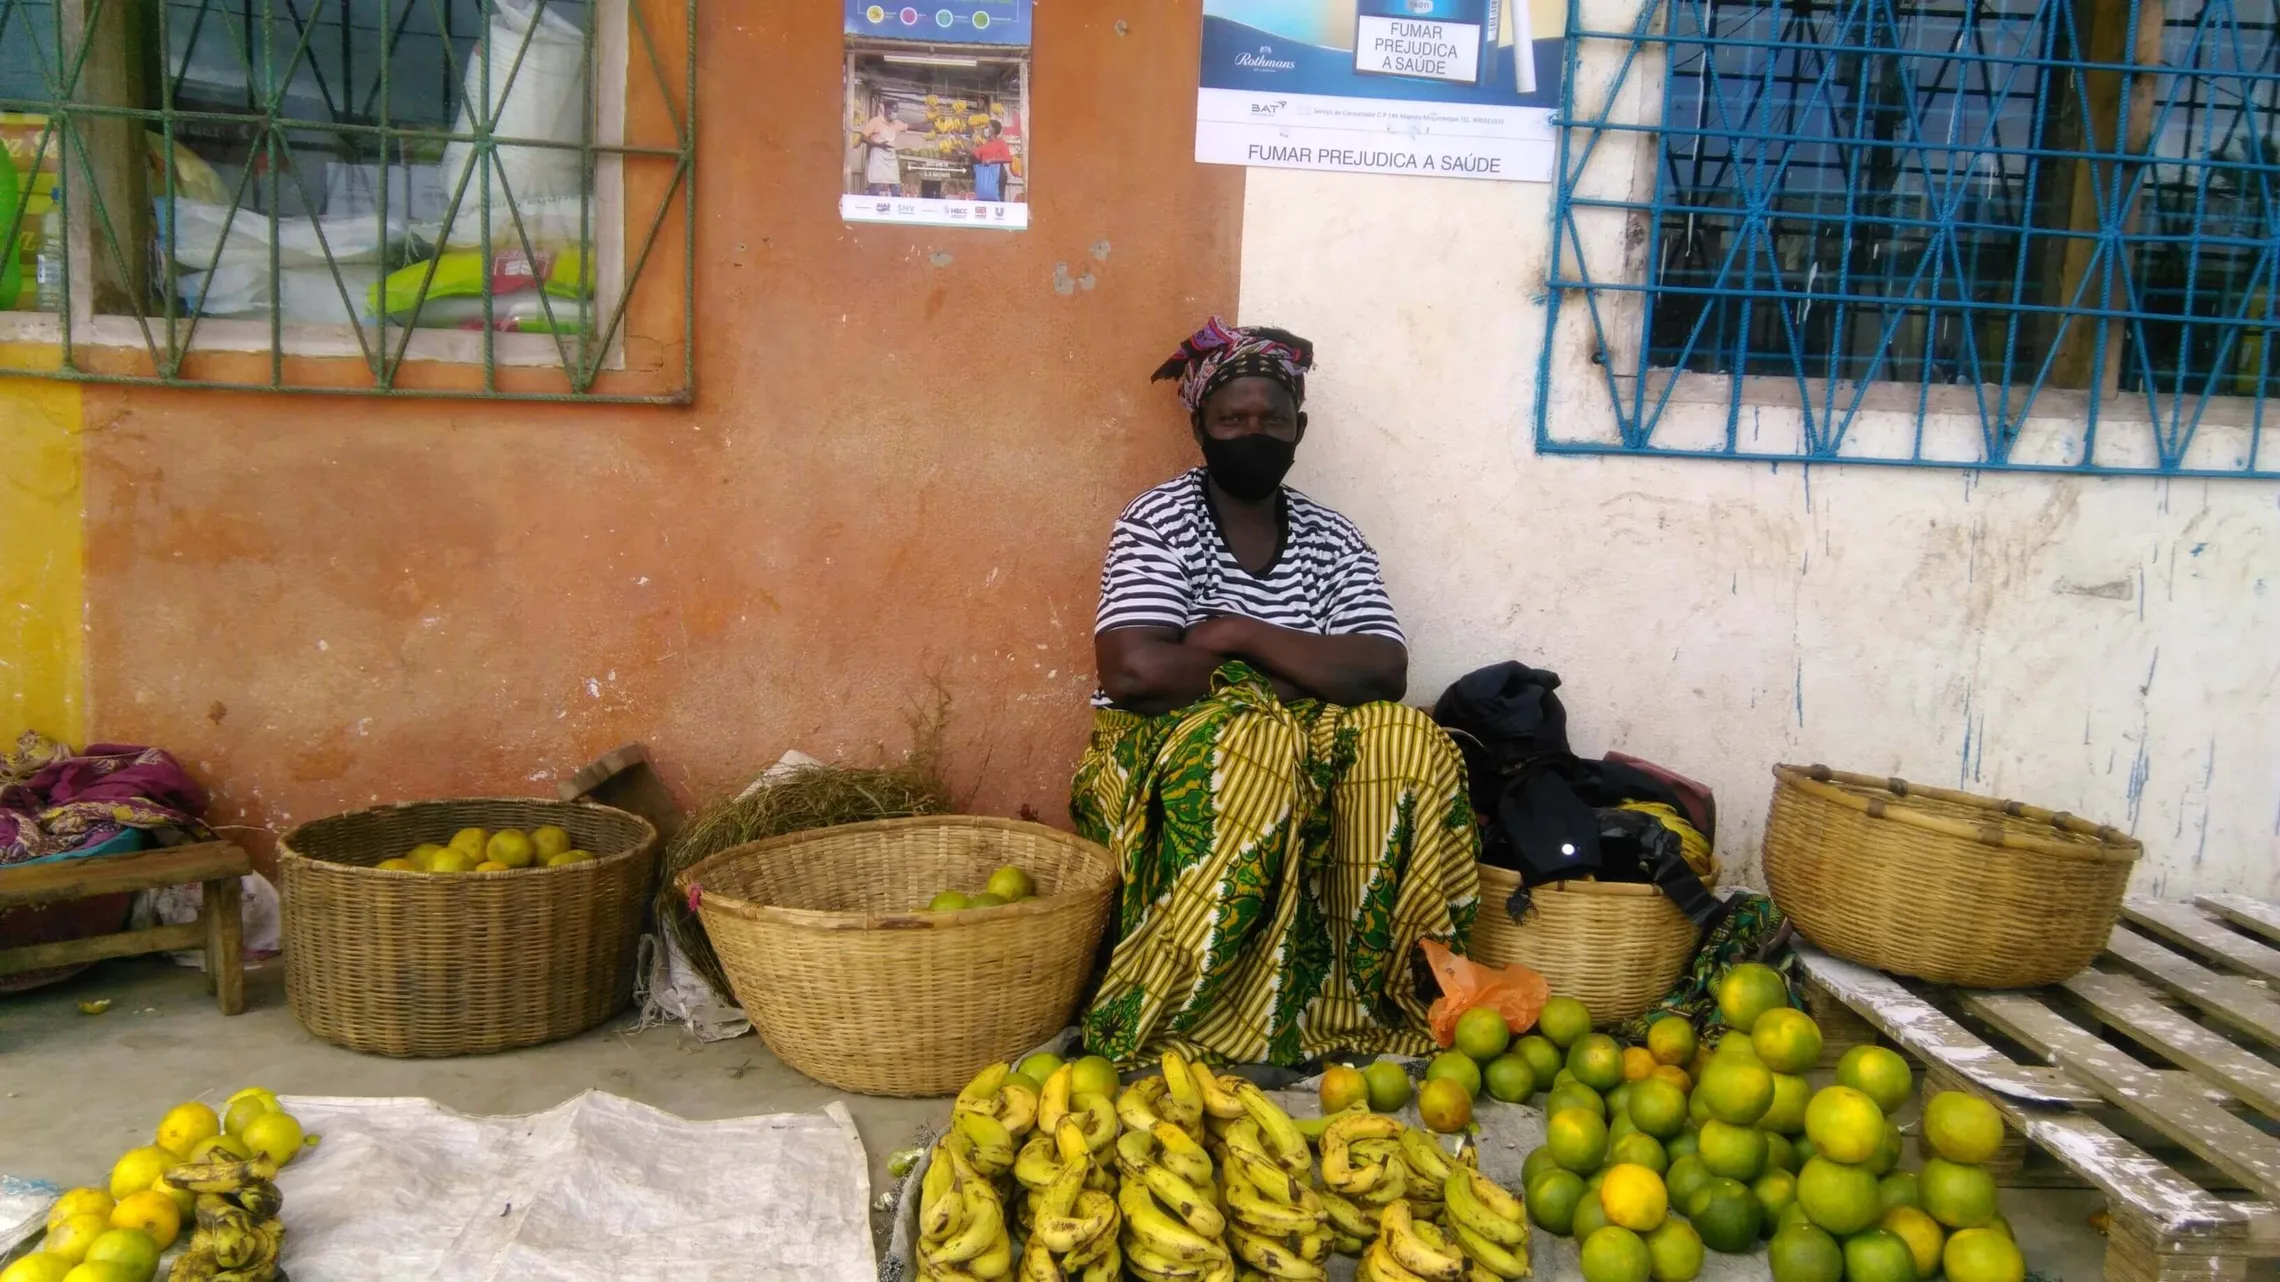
(179, 906)
(542, 99)
(305, 295)
(673, 992)
(243, 237)
(598, 1189)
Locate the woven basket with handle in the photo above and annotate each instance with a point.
(424, 964)
(1942, 885)
(1615, 946)
(850, 982)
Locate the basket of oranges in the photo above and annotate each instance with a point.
(463, 927)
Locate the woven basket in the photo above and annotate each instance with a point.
(850, 985)
(1942, 885)
(1615, 946)
(420, 964)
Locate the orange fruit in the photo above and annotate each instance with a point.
(1844, 1125)
(1445, 1105)
(1343, 1086)
(1962, 1128)
(1482, 1033)
(1877, 1073)
(1634, 1198)
(1638, 1063)
(152, 1211)
(1675, 1075)
(1748, 991)
(1671, 1040)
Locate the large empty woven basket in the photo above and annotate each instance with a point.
(1942, 885)
(851, 984)
(416, 964)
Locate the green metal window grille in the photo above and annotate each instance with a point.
(2033, 234)
(423, 188)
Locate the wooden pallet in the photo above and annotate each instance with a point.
(2169, 1035)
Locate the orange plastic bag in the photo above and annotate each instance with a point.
(1515, 992)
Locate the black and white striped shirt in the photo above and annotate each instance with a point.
(1169, 566)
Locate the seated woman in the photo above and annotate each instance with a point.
(1287, 831)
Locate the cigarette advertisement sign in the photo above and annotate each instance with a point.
(1452, 88)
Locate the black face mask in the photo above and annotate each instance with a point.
(1249, 467)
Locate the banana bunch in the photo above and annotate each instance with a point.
(961, 1221)
(238, 1234)
(1408, 1250)
(1489, 1224)
(1428, 1173)
(1174, 1229)
(1363, 1172)
(1279, 1226)
(1072, 1225)
(1095, 1114)
(990, 1116)
(1175, 1096)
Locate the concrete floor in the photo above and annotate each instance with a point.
(77, 1090)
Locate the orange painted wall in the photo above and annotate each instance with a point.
(906, 450)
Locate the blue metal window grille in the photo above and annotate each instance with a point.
(459, 196)
(2033, 234)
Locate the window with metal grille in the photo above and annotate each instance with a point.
(1979, 233)
(420, 197)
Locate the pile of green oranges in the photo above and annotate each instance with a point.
(1654, 1154)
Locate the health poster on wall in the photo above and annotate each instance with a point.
(937, 114)
(1455, 88)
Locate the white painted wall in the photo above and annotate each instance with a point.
(2105, 646)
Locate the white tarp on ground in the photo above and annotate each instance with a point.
(598, 1189)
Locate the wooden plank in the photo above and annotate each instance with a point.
(1932, 1036)
(2131, 1007)
(2256, 915)
(106, 155)
(624, 779)
(113, 874)
(2226, 1142)
(2227, 997)
(126, 943)
(2187, 926)
(221, 911)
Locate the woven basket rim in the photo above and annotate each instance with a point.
(644, 843)
(1578, 886)
(2098, 843)
(913, 919)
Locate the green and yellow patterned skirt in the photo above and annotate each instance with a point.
(1281, 863)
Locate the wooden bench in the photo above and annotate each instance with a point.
(215, 865)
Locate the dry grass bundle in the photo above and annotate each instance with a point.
(815, 796)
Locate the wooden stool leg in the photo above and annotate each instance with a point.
(225, 943)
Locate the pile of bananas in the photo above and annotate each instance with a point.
(1281, 1227)
(238, 1234)
(1488, 1222)
(1072, 1225)
(1190, 1177)
(1363, 1172)
(961, 1221)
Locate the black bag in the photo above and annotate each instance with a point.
(1548, 814)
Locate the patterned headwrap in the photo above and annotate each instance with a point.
(1219, 354)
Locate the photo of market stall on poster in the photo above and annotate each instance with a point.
(937, 114)
(1454, 88)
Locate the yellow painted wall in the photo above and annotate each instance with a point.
(42, 560)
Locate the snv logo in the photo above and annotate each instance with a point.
(1269, 108)
(1264, 60)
